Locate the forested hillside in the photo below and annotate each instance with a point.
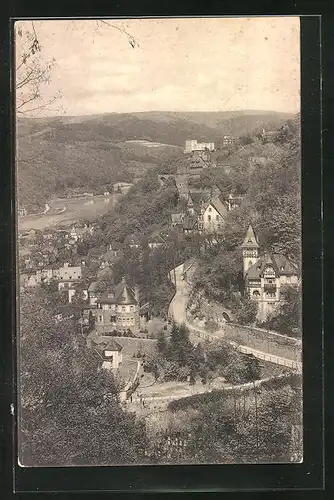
(271, 203)
(91, 152)
(236, 123)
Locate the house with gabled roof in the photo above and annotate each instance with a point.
(132, 241)
(212, 216)
(95, 292)
(190, 224)
(109, 258)
(112, 355)
(265, 275)
(155, 241)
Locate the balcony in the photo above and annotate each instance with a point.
(270, 287)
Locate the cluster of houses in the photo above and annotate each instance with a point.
(204, 211)
(66, 276)
(40, 250)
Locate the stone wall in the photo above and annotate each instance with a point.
(265, 340)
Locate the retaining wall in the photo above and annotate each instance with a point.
(267, 341)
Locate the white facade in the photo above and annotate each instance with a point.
(112, 360)
(193, 145)
(70, 273)
(212, 221)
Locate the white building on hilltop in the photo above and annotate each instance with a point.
(193, 145)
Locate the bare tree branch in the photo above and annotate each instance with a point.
(33, 72)
(131, 38)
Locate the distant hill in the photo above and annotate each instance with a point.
(226, 122)
(92, 152)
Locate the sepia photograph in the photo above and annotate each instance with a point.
(158, 237)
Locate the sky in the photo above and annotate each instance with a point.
(193, 64)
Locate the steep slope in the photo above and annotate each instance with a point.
(59, 154)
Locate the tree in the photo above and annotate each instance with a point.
(161, 343)
(262, 434)
(179, 347)
(219, 275)
(285, 227)
(287, 318)
(32, 71)
(65, 397)
(246, 140)
(246, 311)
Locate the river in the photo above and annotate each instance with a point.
(85, 207)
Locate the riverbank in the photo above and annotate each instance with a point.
(67, 211)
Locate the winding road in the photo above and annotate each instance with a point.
(178, 312)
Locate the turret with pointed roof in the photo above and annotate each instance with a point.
(250, 249)
(250, 240)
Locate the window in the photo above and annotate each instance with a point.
(269, 272)
(209, 218)
(131, 308)
(100, 319)
(123, 308)
(217, 217)
(210, 209)
(256, 293)
(112, 319)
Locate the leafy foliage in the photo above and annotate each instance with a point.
(272, 205)
(262, 433)
(245, 311)
(65, 398)
(179, 359)
(287, 319)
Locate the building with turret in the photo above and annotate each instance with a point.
(265, 275)
(118, 309)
